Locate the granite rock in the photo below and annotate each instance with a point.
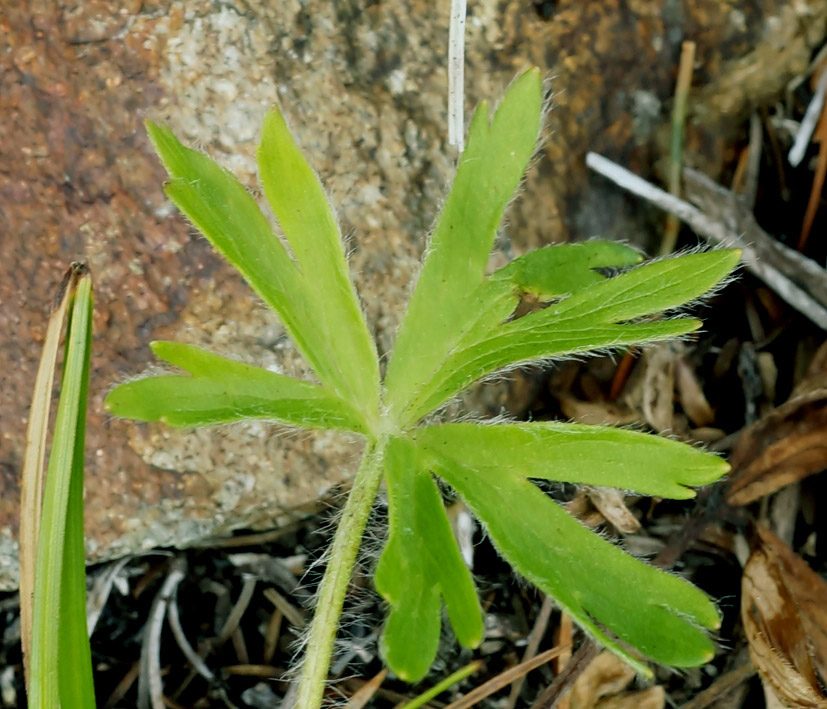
(363, 85)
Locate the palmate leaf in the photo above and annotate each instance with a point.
(608, 592)
(321, 314)
(460, 326)
(593, 318)
(222, 390)
(420, 564)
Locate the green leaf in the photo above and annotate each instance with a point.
(590, 455)
(420, 563)
(609, 593)
(567, 337)
(561, 269)
(652, 288)
(219, 206)
(60, 671)
(489, 171)
(308, 223)
(585, 321)
(222, 390)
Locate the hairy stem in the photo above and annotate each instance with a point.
(336, 577)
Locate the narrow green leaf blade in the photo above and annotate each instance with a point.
(308, 223)
(222, 390)
(219, 206)
(660, 615)
(31, 485)
(591, 455)
(557, 270)
(420, 562)
(652, 288)
(489, 172)
(506, 348)
(562, 269)
(61, 665)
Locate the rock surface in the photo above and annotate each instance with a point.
(364, 86)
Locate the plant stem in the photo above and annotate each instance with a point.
(337, 576)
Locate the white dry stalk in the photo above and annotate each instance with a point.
(808, 123)
(712, 230)
(150, 685)
(456, 75)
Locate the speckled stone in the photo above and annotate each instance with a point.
(363, 85)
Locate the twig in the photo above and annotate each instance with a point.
(809, 122)
(564, 634)
(754, 150)
(563, 682)
(294, 616)
(818, 181)
(456, 74)
(237, 611)
(776, 154)
(767, 269)
(365, 693)
(150, 687)
(534, 640)
(183, 644)
(670, 234)
(271, 637)
(495, 684)
(721, 686)
(621, 375)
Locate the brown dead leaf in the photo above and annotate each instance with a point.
(597, 412)
(601, 686)
(785, 620)
(611, 504)
(606, 675)
(583, 508)
(651, 390)
(651, 698)
(787, 444)
(691, 395)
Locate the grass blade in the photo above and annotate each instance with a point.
(60, 671)
(31, 487)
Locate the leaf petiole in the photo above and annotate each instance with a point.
(341, 560)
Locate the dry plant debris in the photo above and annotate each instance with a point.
(786, 445)
(785, 620)
(602, 685)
